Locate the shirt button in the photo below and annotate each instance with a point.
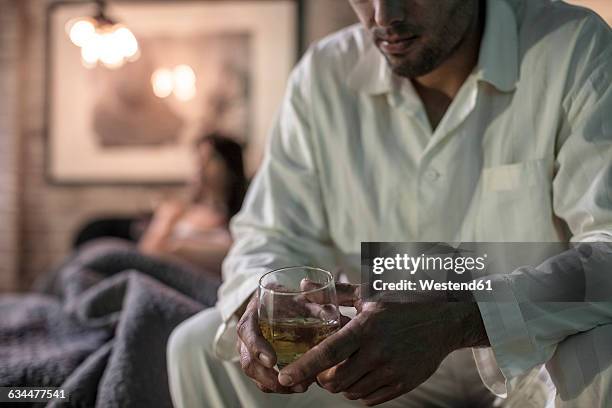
(432, 175)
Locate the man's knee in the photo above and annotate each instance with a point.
(194, 336)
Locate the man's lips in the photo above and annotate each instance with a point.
(396, 45)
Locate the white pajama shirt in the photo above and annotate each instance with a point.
(523, 154)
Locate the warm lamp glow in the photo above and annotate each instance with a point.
(90, 53)
(184, 83)
(101, 40)
(110, 51)
(81, 32)
(126, 42)
(181, 81)
(163, 82)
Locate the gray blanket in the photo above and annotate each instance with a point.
(99, 326)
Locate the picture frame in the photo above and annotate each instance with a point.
(108, 127)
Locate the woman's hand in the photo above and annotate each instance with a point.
(155, 239)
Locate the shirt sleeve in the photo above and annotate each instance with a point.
(523, 330)
(283, 221)
(533, 309)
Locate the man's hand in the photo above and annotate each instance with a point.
(257, 357)
(388, 349)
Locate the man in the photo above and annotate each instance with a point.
(450, 120)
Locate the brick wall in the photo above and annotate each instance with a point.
(9, 148)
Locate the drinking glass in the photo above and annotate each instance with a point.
(298, 309)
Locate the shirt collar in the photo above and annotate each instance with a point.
(371, 74)
(497, 62)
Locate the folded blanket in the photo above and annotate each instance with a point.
(99, 327)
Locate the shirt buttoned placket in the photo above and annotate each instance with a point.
(433, 180)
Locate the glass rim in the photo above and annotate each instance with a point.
(304, 292)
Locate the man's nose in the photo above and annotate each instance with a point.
(388, 12)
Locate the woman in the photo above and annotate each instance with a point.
(110, 293)
(197, 230)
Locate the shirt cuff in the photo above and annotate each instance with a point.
(232, 296)
(226, 338)
(512, 354)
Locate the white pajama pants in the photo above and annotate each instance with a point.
(199, 379)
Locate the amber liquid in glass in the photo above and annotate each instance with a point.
(292, 337)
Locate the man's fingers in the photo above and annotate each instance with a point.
(324, 312)
(332, 382)
(261, 387)
(250, 334)
(383, 394)
(344, 320)
(311, 294)
(308, 285)
(368, 384)
(324, 355)
(265, 378)
(348, 294)
(352, 372)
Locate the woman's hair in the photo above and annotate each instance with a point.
(230, 152)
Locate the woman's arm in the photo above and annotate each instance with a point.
(204, 253)
(156, 238)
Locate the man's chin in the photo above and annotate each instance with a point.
(404, 68)
(409, 67)
(405, 65)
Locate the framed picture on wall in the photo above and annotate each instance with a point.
(200, 67)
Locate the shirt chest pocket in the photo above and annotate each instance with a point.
(514, 177)
(516, 203)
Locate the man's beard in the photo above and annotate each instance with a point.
(432, 51)
(426, 61)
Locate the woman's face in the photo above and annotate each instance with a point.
(210, 168)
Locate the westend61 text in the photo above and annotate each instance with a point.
(429, 284)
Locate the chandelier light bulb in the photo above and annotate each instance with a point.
(90, 53)
(81, 31)
(126, 42)
(134, 57)
(110, 50)
(103, 41)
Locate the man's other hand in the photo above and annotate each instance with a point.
(387, 350)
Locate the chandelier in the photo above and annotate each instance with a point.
(102, 40)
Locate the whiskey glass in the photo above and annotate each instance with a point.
(298, 309)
